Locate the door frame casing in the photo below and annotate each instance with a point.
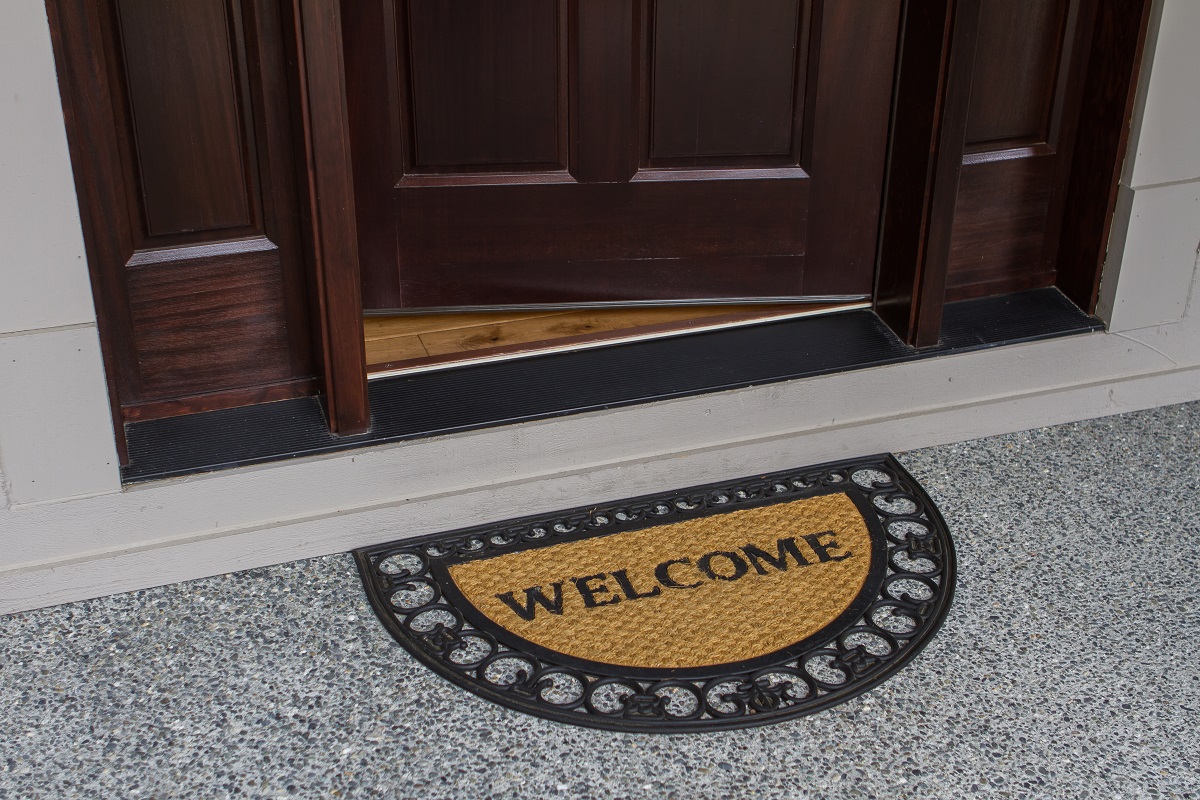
(908, 281)
(331, 221)
(933, 82)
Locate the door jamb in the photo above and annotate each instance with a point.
(332, 233)
(932, 95)
(935, 65)
(1109, 94)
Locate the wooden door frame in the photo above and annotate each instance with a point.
(925, 153)
(933, 90)
(931, 99)
(331, 222)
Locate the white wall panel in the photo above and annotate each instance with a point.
(1152, 255)
(56, 437)
(43, 273)
(1168, 143)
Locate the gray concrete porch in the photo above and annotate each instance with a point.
(1066, 669)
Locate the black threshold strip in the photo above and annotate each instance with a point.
(538, 387)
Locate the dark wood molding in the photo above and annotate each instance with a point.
(234, 398)
(928, 132)
(200, 294)
(1109, 92)
(92, 142)
(333, 239)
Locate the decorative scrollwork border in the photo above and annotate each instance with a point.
(913, 599)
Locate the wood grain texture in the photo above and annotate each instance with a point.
(1016, 64)
(445, 231)
(485, 81)
(208, 325)
(924, 166)
(724, 78)
(377, 328)
(399, 342)
(195, 163)
(605, 61)
(331, 218)
(393, 349)
(556, 326)
(1000, 223)
(619, 281)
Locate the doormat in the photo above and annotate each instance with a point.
(720, 606)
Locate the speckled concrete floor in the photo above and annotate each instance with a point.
(1067, 669)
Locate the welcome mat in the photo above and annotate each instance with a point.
(718, 606)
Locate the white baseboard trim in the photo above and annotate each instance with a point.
(154, 537)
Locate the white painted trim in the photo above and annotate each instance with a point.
(56, 436)
(188, 528)
(43, 275)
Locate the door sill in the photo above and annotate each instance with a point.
(402, 345)
(485, 395)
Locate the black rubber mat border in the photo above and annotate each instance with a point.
(434, 647)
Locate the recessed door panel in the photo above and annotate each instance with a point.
(1016, 63)
(724, 79)
(485, 84)
(1021, 129)
(597, 151)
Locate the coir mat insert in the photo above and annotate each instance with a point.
(719, 606)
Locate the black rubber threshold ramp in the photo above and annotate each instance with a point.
(723, 606)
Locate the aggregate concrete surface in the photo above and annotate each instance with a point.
(1067, 668)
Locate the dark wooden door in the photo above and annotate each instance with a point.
(1026, 97)
(511, 152)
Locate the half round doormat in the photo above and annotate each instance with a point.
(719, 606)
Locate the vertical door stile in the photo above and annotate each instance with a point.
(603, 123)
(929, 132)
(333, 239)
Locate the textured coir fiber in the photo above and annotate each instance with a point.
(740, 607)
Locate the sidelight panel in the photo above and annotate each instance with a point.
(725, 80)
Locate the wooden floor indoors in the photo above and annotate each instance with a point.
(422, 341)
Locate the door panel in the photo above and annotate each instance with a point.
(1016, 62)
(186, 141)
(593, 151)
(183, 87)
(724, 81)
(1021, 128)
(485, 83)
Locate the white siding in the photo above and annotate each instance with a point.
(56, 436)
(43, 274)
(1156, 230)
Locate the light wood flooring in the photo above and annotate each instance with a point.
(422, 341)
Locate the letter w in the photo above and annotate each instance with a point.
(757, 555)
(533, 598)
